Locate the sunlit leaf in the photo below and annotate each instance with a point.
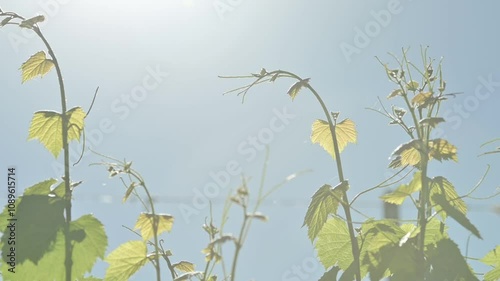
(395, 93)
(441, 149)
(36, 65)
(435, 231)
(295, 88)
(29, 23)
(90, 242)
(145, 224)
(399, 195)
(421, 98)
(431, 121)
(345, 131)
(456, 214)
(412, 86)
(407, 154)
(334, 244)
(447, 263)
(184, 266)
(440, 185)
(492, 258)
(126, 260)
(46, 126)
(323, 203)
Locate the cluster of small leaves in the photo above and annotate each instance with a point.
(131, 256)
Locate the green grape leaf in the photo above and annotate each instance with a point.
(399, 195)
(456, 214)
(89, 243)
(184, 266)
(334, 244)
(440, 185)
(407, 154)
(431, 121)
(323, 203)
(379, 233)
(41, 217)
(36, 65)
(441, 149)
(126, 260)
(395, 93)
(401, 262)
(492, 275)
(295, 88)
(330, 275)
(345, 131)
(448, 263)
(434, 232)
(29, 23)
(46, 126)
(88, 239)
(421, 99)
(412, 86)
(492, 258)
(145, 224)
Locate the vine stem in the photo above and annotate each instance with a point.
(155, 226)
(68, 261)
(345, 203)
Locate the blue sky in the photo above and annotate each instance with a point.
(182, 129)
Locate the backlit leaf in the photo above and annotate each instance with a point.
(295, 88)
(407, 154)
(492, 258)
(399, 195)
(90, 242)
(145, 224)
(334, 244)
(36, 65)
(395, 93)
(412, 86)
(440, 185)
(184, 266)
(345, 131)
(46, 126)
(448, 263)
(441, 149)
(456, 214)
(126, 260)
(323, 203)
(421, 98)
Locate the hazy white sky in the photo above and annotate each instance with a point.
(181, 132)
